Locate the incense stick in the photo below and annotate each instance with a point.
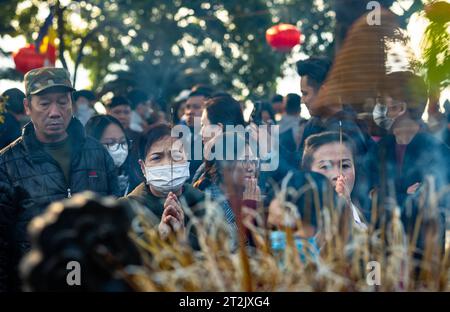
(340, 146)
(171, 152)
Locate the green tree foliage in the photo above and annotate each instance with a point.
(166, 46)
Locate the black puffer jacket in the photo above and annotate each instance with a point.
(30, 179)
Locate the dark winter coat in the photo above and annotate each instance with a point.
(30, 179)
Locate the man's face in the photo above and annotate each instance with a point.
(193, 109)
(51, 114)
(308, 92)
(122, 113)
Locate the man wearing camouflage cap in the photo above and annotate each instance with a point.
(52, 160)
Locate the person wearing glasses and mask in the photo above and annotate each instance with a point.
(165, 192)
(110, 132)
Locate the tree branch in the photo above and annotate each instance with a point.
(60, 21)
(80, 55)
(84, 42)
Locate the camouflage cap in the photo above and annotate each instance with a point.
(37, 80)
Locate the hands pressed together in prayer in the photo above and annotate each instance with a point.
(342, 188)
(251, 191)
(172, 220)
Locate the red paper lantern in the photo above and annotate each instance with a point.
(283, 37)
(27, 59)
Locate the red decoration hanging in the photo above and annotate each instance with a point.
(283, 37)
(27, 59)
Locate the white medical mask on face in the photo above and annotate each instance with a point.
(119, 154)
(380, 116)
(165, 180)
(82, 106)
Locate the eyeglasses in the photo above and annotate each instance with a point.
(249, 163)
(193, 106)
(114, 146)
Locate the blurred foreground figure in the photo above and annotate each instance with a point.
(297, 210)
(88, 231)
(52, 160)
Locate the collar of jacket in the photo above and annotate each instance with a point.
(141, 191)
(75, 131)
(143, 194)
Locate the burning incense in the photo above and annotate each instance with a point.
(340, 145)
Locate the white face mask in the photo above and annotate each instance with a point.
(118, 154)
(380, 116)
(163, 180)
(83, 106)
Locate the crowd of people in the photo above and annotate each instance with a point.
(55, 144)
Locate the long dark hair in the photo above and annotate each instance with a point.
(86, 222)
(96, 125)
(224, 110)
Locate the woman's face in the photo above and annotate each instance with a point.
(246, 169)
(113, 135)
(250, 164)
(165, 152)
(326, 160)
